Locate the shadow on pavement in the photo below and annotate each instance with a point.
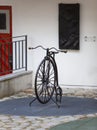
(69, 106)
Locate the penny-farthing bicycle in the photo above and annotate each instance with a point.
(46, 79)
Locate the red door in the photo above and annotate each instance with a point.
(5, 40)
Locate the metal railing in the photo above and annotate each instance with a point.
(13, 54)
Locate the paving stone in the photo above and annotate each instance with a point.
(8, 122)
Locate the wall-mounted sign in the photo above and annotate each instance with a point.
(69, 26)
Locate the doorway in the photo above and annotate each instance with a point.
(5, 40)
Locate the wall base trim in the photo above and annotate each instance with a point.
(13, 83)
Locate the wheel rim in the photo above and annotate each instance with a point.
(45, 81)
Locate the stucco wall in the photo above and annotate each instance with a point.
(39, 20)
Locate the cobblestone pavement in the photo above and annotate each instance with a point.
(8, 122)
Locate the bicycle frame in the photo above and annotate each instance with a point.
(46, 79)
(51, 55)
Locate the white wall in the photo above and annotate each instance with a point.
(39, 20)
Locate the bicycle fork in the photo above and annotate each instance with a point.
(58, 90)
(58, 96)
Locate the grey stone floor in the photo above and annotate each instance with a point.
(15, 113)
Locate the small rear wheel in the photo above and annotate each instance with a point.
(58, 94)
(45, 81)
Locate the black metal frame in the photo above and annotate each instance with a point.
(50, 55)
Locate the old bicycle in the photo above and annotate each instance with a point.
(46, 79)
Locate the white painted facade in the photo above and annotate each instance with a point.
(39, 20)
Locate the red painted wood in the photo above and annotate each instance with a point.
(6, 45)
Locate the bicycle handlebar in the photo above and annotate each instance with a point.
(47, 48)
(37, 47)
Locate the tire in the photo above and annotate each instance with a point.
(58, 94)
(45, 81)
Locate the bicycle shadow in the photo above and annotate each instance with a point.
(69, 106)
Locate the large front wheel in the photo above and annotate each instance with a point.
(45, 80)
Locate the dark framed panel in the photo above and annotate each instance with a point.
(69, 17)
(2, 21)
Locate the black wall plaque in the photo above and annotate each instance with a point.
(69, 26)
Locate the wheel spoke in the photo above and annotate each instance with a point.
(45, 80)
